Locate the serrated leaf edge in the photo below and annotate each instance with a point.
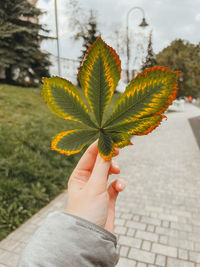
(47, 95)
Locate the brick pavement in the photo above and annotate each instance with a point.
(158, 215)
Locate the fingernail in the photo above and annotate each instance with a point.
(115, 164)
(121, 186)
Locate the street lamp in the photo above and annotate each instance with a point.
(142, 24)
(57, 36)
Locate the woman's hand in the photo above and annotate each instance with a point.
(88, 195)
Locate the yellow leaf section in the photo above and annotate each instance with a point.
(68, 87)
(124, 142)
(151, 77)
(141, 126)
(106, 146)
(57, 138)
(108, 157)
(120, 139)
(146, 125)
(111, 62)
(155, 76)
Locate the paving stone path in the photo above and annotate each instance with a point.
(158, 215)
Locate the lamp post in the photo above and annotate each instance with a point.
(57, 36)
(142, 24)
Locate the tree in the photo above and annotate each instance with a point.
(88, 34)
(20, 42)
(185, 57)
(150, 60)
(83, 23)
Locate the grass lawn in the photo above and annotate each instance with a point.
(30, 173)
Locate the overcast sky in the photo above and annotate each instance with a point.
(169, 20)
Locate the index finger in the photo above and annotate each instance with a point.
(88, 159)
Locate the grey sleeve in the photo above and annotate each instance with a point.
(65, 240)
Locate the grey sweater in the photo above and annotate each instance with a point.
(65, 240)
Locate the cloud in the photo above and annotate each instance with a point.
(197, 17)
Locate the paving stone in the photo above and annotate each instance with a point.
(124, 251)
(197, 246)
(151, 228)
(180, 226)
(196, 229)
(163, 239)
(37, 220)
(146, 236)
(184, 219)
(140, 264)
(25, 237)
(141, 255)
(131, 232)
(136, 225)
(194, 237)
(31, 228)
(161, 260)
(19, 248)
(181, 243)
(149, 220)
(137, 210)
(194, 256)
(168, 217)
(154, 215)
(2, 251)
(119, 221)
(123, 262)
(146, 245)
(136, 218)
(183, 235)
(182, 213)
(153, 208)
(165, 224)
(171, 262)
(9, 245)
(166, 231)
(9, 259)
(120, 230)
(117, 214)
(164, 250)
(129, 241)
(126, 216)
(183, 254)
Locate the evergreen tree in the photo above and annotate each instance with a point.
(83, 25)
(88, 34)
(150, 60)
(20, 42)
